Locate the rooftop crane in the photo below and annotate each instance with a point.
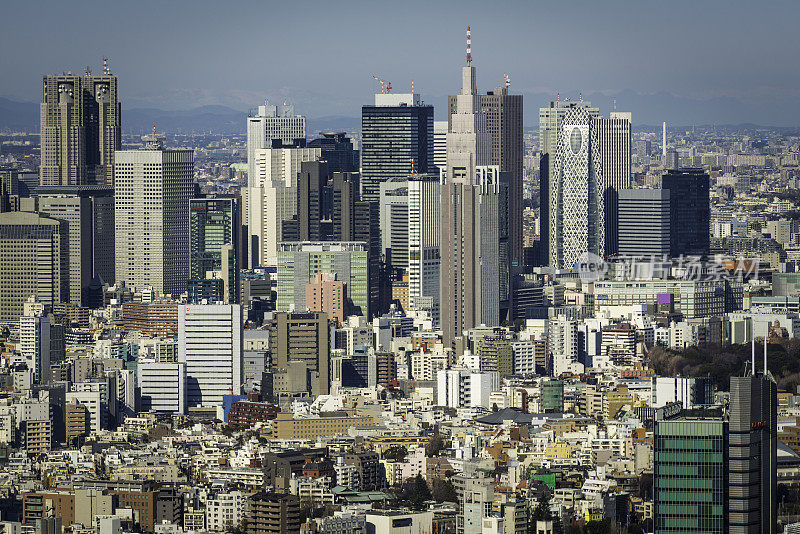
(386, 87)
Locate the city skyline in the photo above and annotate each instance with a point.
(645, 56)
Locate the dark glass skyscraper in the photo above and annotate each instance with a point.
(690, 211)
(753, 454)
(214, 242)
(397, 138)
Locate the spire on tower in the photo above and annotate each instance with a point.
(469, 47)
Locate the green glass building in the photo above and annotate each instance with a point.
(552, 396)
(690, 492)
(214, 243)
(301, 261)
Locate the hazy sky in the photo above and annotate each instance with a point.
(738, 59)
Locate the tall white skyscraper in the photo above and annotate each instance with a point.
(265, 125)
(614, 145)
(470, 230)
(424, 256)
(272, 198)
(269, 123)
(575, 182)
(153, 187)
(210, 344)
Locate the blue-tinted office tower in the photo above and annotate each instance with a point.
(214, 228)
(690, 211)
(397, 140)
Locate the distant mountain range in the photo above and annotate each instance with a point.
(648, 112)
(24, 116)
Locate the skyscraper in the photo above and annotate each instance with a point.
(424, 255)
(614, 145)
(504, 122)
(752, 452)
(80, 129)
(690, 211)
(153, 186)
(440, 145)
(329, 209)
(88, 214)
(393, 210)
(644, 222)
(268, 123)
(32, 262)
(210, 344)
(272, 197)
(397, 139)
(470, 217)
(214, 242)
(573, 180)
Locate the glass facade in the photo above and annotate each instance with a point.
(690, 477)
(213, 223)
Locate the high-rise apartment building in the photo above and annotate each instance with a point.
(690, 211)
(88, 214)
(153, 186)
(41, 343)
(80, 129)
(614, 145)
(32, 262)
(300, 346)
(162, 387)
(214, 242)
(300, 262)
(424, 255)
(503, 113)
(397, 140)
(562, 344)
(572, 183)
(210, 344)
(643, 222)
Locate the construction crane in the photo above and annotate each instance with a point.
(386, 87)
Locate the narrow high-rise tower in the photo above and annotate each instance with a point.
(473, 194)
(80, 129)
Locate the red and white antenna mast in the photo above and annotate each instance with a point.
(106, 70)
(469, 47)
(508, 80)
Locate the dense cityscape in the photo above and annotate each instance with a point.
(413, 326)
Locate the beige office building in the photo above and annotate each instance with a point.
(153, 187)
(32, 262)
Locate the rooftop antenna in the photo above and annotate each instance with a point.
(469, 47)
(412, 87)
(508, 80)
(558, 98)
(413, 167)
(581, 97)
(154, 128)
(106, 70)
(88, 70)
(615, 104)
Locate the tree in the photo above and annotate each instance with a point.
(434, 446)
(443, 491)
(494, 407)
(421, 493)
(395, 452)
